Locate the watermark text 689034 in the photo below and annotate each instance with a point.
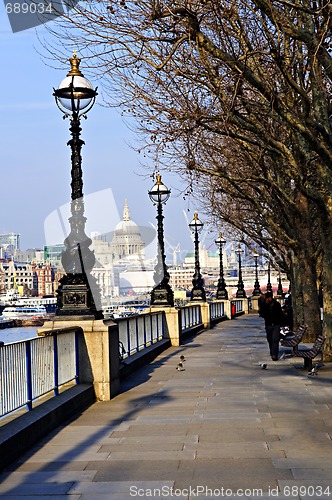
(25, 14)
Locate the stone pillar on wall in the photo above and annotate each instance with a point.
(227, 308)
(254, 301)
(98, 346)
(205, 312)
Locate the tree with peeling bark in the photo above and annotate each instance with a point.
(247, 75)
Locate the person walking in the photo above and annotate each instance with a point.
(272, 313)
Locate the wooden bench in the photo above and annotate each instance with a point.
(294, 340)
(308, 354)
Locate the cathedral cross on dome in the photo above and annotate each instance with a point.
(126, 213)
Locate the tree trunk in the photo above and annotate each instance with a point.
(326, 225)
(305, 296)
(308, 311)
(310, 299)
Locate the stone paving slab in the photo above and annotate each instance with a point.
(36, 489)
(46, 496)
(17, 478)
(223, 422)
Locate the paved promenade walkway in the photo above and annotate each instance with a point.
(222, 427)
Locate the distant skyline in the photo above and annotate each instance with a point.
(35, 158)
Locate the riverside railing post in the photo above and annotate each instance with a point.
(137, 335)
(77, 358)
(144, 329)
(56, 365)
(128, 338)
(29, 374)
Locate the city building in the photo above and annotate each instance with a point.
(121, 266)
(20, 277)
(181, 278)
(127, 244)
(52, 254)
(44, 274)
(136, 281)
(9, 245)
(2, 280)
(29, 255)
(108, 280)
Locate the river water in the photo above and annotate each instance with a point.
(8, 335)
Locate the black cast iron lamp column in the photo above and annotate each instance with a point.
(257, 289)
(198, 292)
(240, 293)
(280, 291)
(162, 293)
(221, 290)
(78, 293)
(269, 285)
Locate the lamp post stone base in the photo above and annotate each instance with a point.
(162, 296)
(222, 295)
(75, 298)
(198, 294)
(74, 301)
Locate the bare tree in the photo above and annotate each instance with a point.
(251, 75)
(278, 219)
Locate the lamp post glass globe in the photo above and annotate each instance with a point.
(239, 250)
(196, 225)
(75, 92)
(159, 193)
(220, 242)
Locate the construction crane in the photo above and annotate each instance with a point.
(176, 250)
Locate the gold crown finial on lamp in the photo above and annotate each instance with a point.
(75, 63)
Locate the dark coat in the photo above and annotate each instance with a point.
(272, 313)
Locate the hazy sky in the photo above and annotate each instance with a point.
(35, 158)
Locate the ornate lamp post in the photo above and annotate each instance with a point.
(240, 293)
(257, 290)
(268, 285)
(221, 290)
(198, 292)
(162, 294)
(78, 292)
(280, 291)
